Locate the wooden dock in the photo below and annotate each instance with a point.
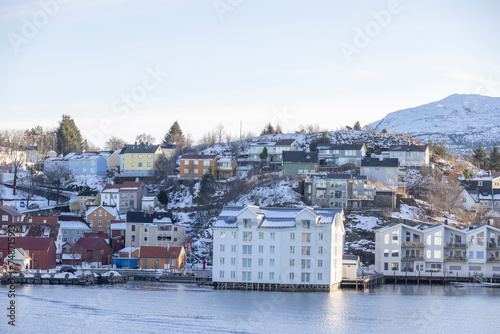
(437, 278)
(364, 283)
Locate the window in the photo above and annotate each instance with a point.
(386, 266)
(247, 276)
(395, 238)
(437, 254)
(292, 236)
(247, 223)
(292, 262)
(233, 235)
(145, 238)
(272, 235)
(395, 253)
(291, 276)
(306, 224)
(305, 277)
(221, 274)
(480, 239)
(437, 239)
(133, 228)
(65, 239)
(471, 255)
(261, 235)
(233, 261)
(206, 163)
(320, 236)
(221, 260)
(100, 212)
(386, 253)
(100, 223)
(320, 249)
(222, 234)
(261, 262)
(186, 171)
(233, 248)
(247, 263)
(320, 276)
(305, 264)
(386, 239)
(65, 232)
(132, 164)
(271, 263)
(261, 274)
(77, 231)
(306, 237)
(320, 263)
(428, 254)
(480, 255)
(132, 238)
(247, 249)
(394, 266)
(140, 156)
(247, 236)
(271, 276)
(149, 164)
(429, 240)
(261, 249)
(222, 248)
(196, 170)
(292, 249)
(471, 240)
(271, 249)
(306, 250)
(139, 164)
(233, 274)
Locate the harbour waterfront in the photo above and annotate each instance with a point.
(149, 307)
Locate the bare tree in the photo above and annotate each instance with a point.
(29, 186)
(145, 139)
(114, 143)
(55, 176)
(219, 132)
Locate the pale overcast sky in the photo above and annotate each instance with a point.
(256, 61)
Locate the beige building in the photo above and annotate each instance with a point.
(99, 217)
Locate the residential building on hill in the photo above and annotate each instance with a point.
(153, 229)
(287, 247)
(274, 149)
(125, 196)
(139, 160)
(196, 165)
(382, 171)
(84, 199)
(411, 155)
(226, 167)
(334, 155)
(299, 163)
(162, 257)
(99, 217)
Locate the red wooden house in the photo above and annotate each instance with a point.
(93, 250)
(41, 250)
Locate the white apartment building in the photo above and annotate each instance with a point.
(442, 249)
(289, 247)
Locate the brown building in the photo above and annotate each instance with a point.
(93, 250)
(226, 167)
(9, 214)
(41, 250)
(195, 165)
(162, 257)
(99, 218)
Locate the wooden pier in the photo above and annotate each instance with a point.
(364, 283)
(66, 279)
(438, 278)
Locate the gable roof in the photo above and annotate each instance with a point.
(160, 252)
(341, 147)
(110, 209)
(285, 142)
(89, 243)
(11, 211)
(300, 157)
(145, 217)
(375, 162)
(39, 230)
(45, 219)
(408, 148)
(28, 243)
(127, 185)
(140, 149)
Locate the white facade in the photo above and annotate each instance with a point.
(278, 245)
(438, 249)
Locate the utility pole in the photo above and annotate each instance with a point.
(241, 124)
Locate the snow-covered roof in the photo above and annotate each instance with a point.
(127, 250)
(272, 217)
(162, 220)
(110, 209)
(118, 226)
(74, 225)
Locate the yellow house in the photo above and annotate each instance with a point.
(168, 150)
(85, 198)
(139, 160)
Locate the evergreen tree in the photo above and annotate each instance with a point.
(467, 174)
(69, 138)
(268, 130)
(174, 135)
(278, 130)
(384, 131)
(163, 197)
(207, 183)
(263, 155)
(481, 155)
(494, 159)
(357, 126)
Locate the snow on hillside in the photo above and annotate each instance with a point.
(273, 193)
(461, 121)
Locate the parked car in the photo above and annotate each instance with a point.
(67, 269)
(33, 206)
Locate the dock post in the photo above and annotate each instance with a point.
(406, 278)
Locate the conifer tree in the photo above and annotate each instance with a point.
(481, 155)
(494, 159)
(174, 135)
(69, 138)
(357, 126)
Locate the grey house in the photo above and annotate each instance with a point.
(299, 162)
(383, 171)
(341, 154)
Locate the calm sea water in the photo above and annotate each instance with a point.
(141, 307)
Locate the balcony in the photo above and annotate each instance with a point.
(413, 258)
(494, 259)
(454, 245)
(413, 244)
(492, 245)
(455, 258)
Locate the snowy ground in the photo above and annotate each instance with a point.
(273, 193)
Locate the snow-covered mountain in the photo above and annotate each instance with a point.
(461, 121)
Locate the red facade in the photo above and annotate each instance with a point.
(41, 250)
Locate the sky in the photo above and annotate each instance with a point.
(126, 67)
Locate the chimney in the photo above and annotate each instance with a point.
(150, 210)
(2, 203)
(446, 221)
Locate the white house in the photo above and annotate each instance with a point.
(290, 247)
(411, 155)
(404, 250)
(274, 149)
